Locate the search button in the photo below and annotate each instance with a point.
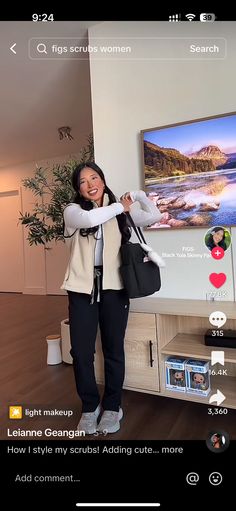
(42, 48)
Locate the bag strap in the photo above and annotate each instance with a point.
(137, 230)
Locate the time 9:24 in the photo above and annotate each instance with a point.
(42, 17)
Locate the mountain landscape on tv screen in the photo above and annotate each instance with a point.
(163, 162)
(194, 189)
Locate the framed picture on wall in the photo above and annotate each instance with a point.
(190, 171)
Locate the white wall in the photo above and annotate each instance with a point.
(129, 96)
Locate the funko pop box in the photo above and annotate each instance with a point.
(197, 377)
(175, 374)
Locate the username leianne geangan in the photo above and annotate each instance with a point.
(47, 432)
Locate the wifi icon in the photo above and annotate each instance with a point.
(190, 16)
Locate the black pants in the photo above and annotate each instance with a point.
(111, 313)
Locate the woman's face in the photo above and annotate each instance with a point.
(91, 185)
(218, 236)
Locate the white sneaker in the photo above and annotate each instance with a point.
(110, 421)
(88, 421)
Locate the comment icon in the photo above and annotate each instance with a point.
(217, 319)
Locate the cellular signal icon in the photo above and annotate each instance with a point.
(175, 17)
(190, 17)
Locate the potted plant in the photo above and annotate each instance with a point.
(45, 223)
(53, 187)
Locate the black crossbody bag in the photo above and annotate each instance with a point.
(141, 277)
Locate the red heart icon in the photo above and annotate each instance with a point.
(217, 279)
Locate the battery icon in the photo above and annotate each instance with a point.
(207, 16)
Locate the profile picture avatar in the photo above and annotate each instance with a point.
(218, 236)
(217, 441)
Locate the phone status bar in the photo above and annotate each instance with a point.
(205, 14)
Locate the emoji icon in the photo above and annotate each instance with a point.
(215, 478)
(217, 279)
(217, 319)
(15, 412)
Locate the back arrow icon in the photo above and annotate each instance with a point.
(12, 48)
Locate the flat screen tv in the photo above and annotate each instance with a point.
(190, 172)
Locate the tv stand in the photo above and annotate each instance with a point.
(158, 328)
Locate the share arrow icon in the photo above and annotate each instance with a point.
(218, 397)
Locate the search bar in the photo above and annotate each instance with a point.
(128, 48)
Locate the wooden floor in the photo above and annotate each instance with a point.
(26, 379)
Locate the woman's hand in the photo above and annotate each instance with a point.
(126, 201)
(126, 195)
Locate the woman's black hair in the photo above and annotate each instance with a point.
(88, 205)
(210, 242)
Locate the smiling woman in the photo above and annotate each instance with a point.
(91, 185)
(97, 226)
